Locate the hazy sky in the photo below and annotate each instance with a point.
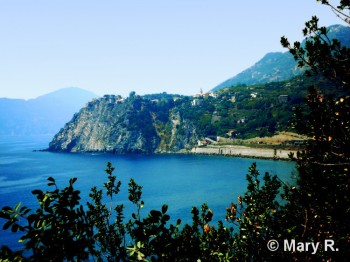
(147, 46)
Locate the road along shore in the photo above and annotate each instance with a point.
(244, 151)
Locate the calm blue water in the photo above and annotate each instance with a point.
(181, 181)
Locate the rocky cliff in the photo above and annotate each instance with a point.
(131, 125)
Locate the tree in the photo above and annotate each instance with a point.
(316, 209)
(255, 215)
(58, 230)
(340, 9)
(62, 230)
(319, 207)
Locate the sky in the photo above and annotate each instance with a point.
(153, 46)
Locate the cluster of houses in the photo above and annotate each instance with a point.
(198, 98)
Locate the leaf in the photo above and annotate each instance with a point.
(165, 218)
(26, 211)
(17, 206)
(22, 239)
(6, 208)
(155, 213)
(178, 222)
(7, 225)
(51, 179)
(164, 208)
(37, 192)
(5, 214)
(31, 218)
(14, 228)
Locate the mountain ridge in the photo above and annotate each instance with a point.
(279, 66)
(45, 114)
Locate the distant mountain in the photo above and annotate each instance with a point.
(278, 66)
(272, 67)
(43, 115)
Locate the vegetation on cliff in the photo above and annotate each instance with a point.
(170, 123)
(132, 125)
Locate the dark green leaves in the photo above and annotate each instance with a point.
(61, 229)
(37, 192)
(322, 189)
(155, 213)
(164, 208)
(111, 186)
(134, 191)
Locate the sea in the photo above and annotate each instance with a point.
(181, 181)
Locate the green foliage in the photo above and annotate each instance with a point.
(315, 209)
(61, 229)
(109, 231)
(58, 230)
(321, 55)
(319, 207)
(256, 217)
(339, 10)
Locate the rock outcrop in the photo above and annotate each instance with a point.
(131, 125)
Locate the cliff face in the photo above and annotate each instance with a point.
(133, 125)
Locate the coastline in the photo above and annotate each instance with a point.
(244, 151)
(227, 150)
